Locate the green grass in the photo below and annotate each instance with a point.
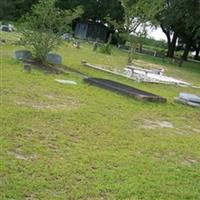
(82, 142)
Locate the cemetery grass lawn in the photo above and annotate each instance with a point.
(82, 142)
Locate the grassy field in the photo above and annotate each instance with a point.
(82, 142)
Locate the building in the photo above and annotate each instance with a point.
(91, 31)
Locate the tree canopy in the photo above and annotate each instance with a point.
(14, 9)
(180, 19)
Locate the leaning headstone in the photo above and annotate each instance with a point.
(23, 55)
(54, 59)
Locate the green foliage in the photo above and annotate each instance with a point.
(106, 48)
(43, 27)
(12, 10)
(180, 18)
(96, 10)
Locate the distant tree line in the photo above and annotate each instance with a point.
(179, 19)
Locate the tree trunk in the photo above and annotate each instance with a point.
(140, 47)
(186, 51)
(172, 46)
(170, 42)
(130, 55)
(110, 38)
(196, 57)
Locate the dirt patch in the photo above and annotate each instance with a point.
(150, 124)
(51, 103)
(21, 156)
(189, 161)
(196, 130)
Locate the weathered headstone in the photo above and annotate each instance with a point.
(23, 55)
(54, 59)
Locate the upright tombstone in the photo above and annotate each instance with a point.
(27, 68)
(23, 55)
(54, 59)
(95, 46)
(5, 28)
(77, 44)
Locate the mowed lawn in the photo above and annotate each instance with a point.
(82, 142)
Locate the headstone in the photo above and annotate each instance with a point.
(95, 46)
(5, 28)
(27, 68)
(190, 97)
(66, 82)
(66, 36)
(23, 55)
(3, 41)
(54, 59)
(77, 44)
(83, 62)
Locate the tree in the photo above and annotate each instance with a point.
(138, 15)
(97, 10)
(12, 10)
(179, 19)
(189, 24)
(168, 20)
(196, 46)
(43, 27)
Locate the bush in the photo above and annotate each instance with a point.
(106, 49)
(42, 28)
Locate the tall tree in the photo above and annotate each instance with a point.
(179, 19)
(189, 24)
(168, 22)
(137, 14)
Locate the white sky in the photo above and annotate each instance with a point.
(157, 34)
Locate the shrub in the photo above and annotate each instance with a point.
(106, 48)
(42, 28)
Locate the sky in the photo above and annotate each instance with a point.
(157, 34)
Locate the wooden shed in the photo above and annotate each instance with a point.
(91, 30)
